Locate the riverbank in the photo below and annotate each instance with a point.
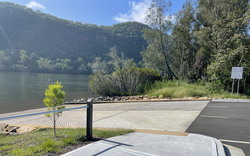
(144, 98)
(139, 98)
(171, 91)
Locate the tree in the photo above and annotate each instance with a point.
(227, 39)
(45, 64)
(159, 44)
(53, 100)
(120, 76)
(183, 51)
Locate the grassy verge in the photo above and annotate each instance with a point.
(176, 89)
(43, 142)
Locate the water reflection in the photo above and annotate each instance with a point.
(21, 91)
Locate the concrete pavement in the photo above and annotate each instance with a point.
(163, 116)
(144, 144)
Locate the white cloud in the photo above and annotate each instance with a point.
(34, 5)
(138, 12)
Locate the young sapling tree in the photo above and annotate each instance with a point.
(54, 97)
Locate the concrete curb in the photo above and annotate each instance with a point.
(217, 146)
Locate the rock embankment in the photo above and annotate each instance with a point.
(7, 129)
(142, 98)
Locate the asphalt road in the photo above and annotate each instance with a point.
(227, 121)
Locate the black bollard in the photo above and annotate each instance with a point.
(89, 131)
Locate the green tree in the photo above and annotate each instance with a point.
(183, 52)
(228, 38)
(45, 64)
(99, 66)
(159, 42)
(54, 97)
(120, 77)
(5, 61)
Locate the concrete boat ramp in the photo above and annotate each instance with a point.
(155, 116)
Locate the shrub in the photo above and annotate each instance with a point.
(128, 81)
(120, 76)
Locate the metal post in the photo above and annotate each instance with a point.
(233, 87)
(89, 119)
(238, 87)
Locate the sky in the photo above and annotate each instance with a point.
(100, 12)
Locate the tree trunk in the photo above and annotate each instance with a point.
(171, 75)
(54, 124)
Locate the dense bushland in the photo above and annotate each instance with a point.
(120, 76)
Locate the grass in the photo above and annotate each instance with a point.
(176, 89)
(43, 142)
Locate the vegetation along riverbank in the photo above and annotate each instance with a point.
(201, 45)
(170, 91)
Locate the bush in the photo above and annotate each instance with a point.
(120, 76)
(128, 81)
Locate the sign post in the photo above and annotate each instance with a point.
(237, 73)
(233, 87)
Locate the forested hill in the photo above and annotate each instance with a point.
(50, 37)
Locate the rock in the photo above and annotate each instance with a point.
(10, 130)
(3, 126)
(25, 129)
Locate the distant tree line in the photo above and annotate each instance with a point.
(23, 61)
(21, 28)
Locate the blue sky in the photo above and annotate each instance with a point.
(100, 12)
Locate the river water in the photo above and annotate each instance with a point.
(22, 91)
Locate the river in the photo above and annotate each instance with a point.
(22, 91)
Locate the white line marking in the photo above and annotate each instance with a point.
(230, 100)
(221, 117)
(218, 106)
(130, 151)
(235, 141)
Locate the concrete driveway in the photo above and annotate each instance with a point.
(163, 116)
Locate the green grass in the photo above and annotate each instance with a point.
(176, 89)
(42, 141)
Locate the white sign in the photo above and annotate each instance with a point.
(237, 73)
